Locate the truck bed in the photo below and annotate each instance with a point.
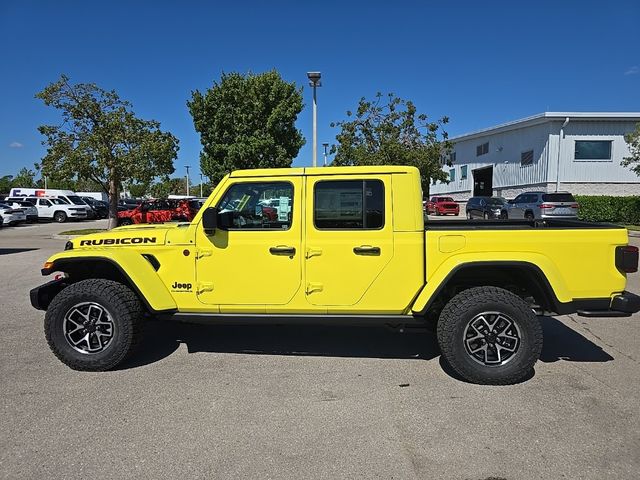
(555, 224)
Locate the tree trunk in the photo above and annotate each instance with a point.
(113, 199)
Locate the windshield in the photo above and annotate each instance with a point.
(495, 201)
(444, 199)
(76, 200)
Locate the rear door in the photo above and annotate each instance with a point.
(517, 207)
(349, 236)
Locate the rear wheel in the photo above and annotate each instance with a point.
(94, 324)
(529, 216)
(504, 215)
(489, 336)
(60, 217)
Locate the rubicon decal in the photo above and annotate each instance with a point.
(117, 241)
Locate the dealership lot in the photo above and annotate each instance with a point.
(307, 402)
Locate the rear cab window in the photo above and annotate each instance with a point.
(349, 205)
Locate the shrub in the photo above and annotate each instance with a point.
(605, 208)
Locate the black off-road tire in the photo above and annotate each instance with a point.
(465, 307)
(60, 217)
(125, 310)
(124, 221)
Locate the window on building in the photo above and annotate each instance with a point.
(526, 158)
(593, 150)
(453, 157)
(433, 181)
(349, 205)
(452, 174)
(463, 172)
(482, 149)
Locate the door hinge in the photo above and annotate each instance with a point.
(311, 252)
(203, 253)
(314, 287)
(204, 287)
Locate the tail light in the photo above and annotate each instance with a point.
(546, 205)
(575, 205)
(627, 259)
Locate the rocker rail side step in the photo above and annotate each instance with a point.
(297, 319)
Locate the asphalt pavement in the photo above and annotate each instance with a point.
(307, 402)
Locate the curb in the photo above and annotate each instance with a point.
(65, 237)
(634, 233)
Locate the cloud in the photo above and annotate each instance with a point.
(633, 70)
(15, 145)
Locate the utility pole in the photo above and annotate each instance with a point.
(200, 184)
(325, 145)
(566, 122)
(314, 81)
(187, 167)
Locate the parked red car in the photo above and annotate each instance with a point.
(442, 206)
(159, 211)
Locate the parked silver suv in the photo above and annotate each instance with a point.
(542, 205)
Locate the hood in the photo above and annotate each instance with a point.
(134, 235)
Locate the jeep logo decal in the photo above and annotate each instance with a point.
(181, 287)
(117, 241)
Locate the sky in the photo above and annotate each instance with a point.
(480, 63)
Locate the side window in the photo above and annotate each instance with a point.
(264, 205)
(45, 203)
(518, 199)
(348, 205)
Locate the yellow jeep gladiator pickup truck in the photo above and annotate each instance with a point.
(346, 245)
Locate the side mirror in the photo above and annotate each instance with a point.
(210, 220)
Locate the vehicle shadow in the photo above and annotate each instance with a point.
(9, 251)
(162, 338)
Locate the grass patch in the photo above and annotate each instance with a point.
(85, 231)
(633, 227)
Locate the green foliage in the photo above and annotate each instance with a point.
(25, 178)
(389, 131)
(633, 161)
(101, 139)
(5, 183)
(247, 121)
(609, 209)
(168, 186)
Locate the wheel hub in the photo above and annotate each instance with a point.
(492, 338)
(88, 328)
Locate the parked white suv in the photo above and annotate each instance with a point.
(57, 209)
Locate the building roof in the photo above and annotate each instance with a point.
(549, 117)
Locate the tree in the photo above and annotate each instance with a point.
(5, 183)
(25, 178)
(389, 131)
(101, 139)
(169, 186)
(247, 121)
(633, 139)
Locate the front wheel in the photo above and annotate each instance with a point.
(124, 221)
(94, 325)
(504, 215)
(60, 217)
(489, 336)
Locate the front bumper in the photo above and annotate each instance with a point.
(623, 305)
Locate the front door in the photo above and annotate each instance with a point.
(349, 236)
(257, 260)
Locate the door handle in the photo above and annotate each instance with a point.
(283, 250)
(366, 250)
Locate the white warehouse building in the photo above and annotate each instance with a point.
(579, 152)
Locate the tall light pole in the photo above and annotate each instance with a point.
(200, 184)
(314, 81)
(325, 146)
(187, 167)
